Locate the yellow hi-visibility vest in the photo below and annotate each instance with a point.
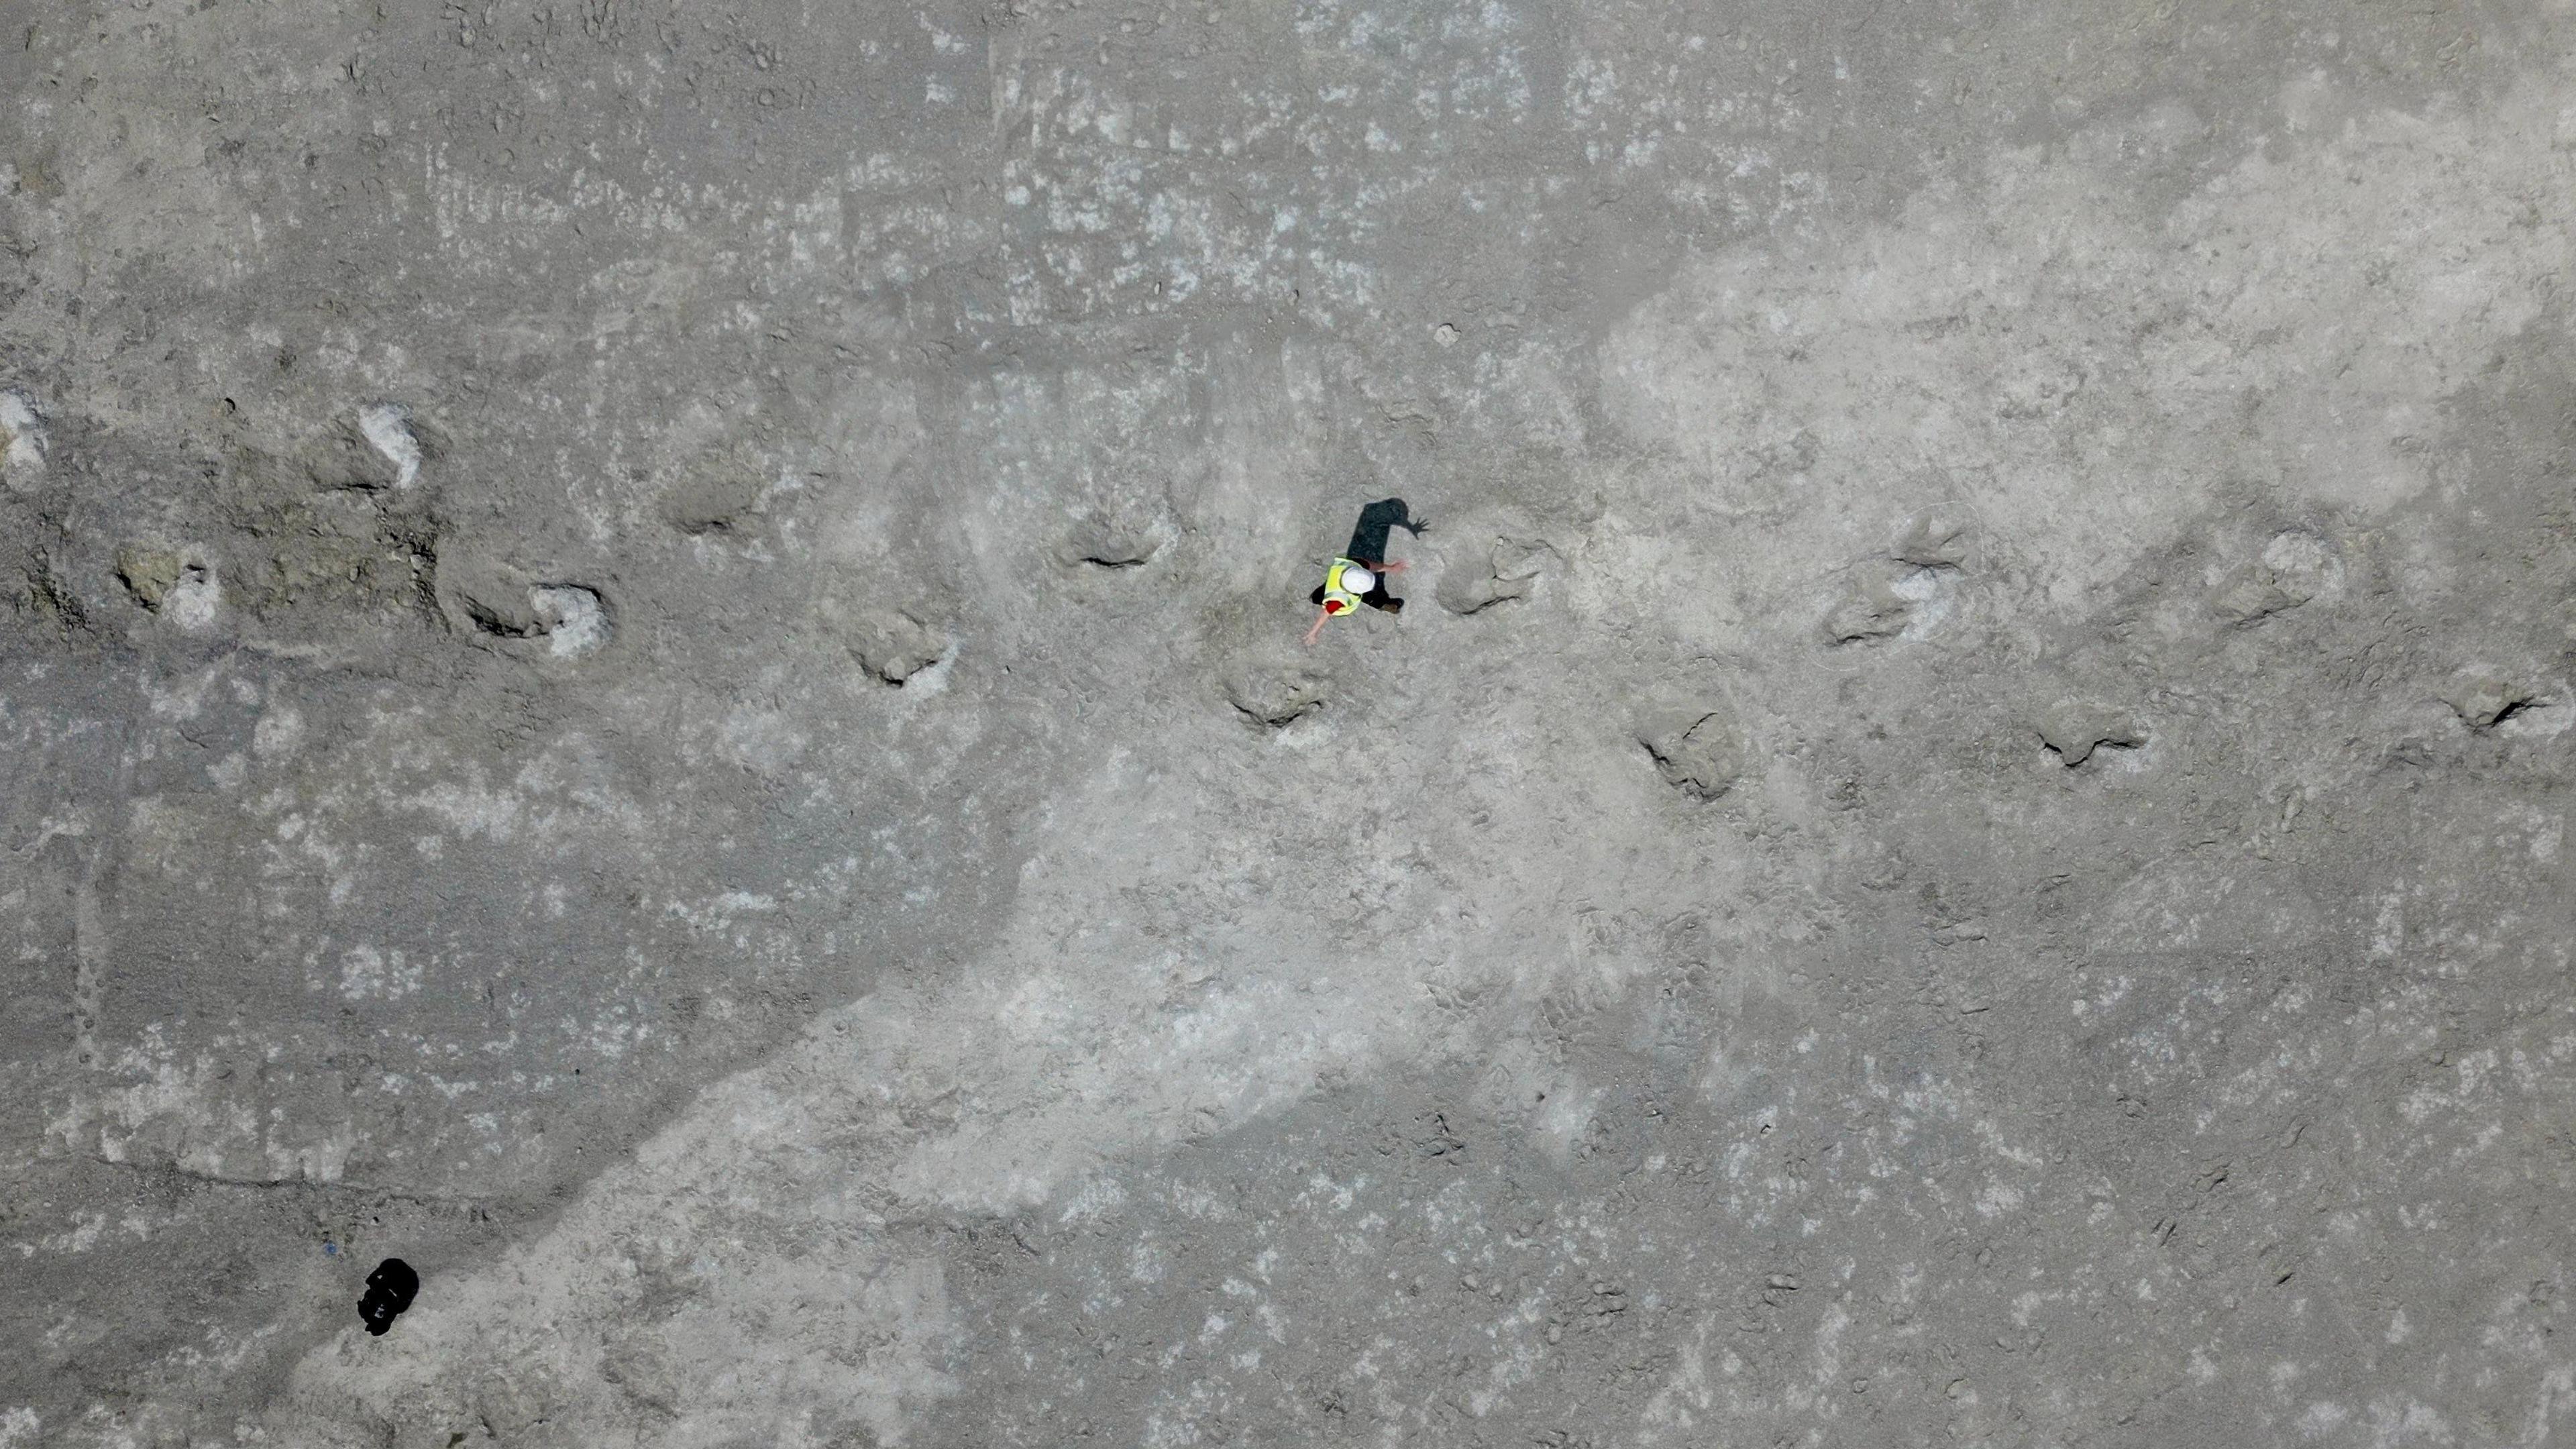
(1339, 600)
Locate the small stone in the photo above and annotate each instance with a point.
(1937, 538)
(1698, 751)
(2073, 732)
(1870, 609)
(2296, 566)
(149, 574)
(1485, 575)
(893, 645)
(715, 493)
(1108, 544)
(1277, 698)
(2483, 698)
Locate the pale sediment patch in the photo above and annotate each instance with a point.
(22, 438)
(574, 620)
(2090, 369)
(387, 427)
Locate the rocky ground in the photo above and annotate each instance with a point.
(652, 662)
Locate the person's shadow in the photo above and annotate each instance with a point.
(1378, 523)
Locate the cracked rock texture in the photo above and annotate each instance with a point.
(650, 661)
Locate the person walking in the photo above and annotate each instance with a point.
(1357, 575)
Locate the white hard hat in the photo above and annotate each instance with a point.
(1357, 580)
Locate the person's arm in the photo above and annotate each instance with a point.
(1396, 567)
(1320, 617)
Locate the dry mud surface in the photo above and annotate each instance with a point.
(651, 661)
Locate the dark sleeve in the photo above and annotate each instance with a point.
(1316, 598)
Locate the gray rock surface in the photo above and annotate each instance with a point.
(650, 661)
